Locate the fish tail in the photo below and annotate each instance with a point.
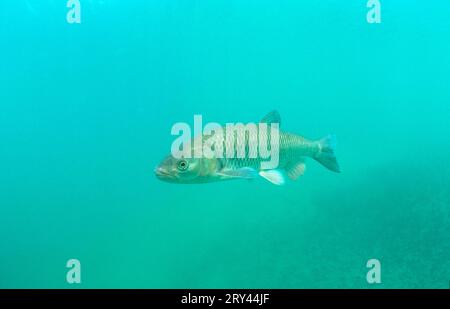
(325, 154)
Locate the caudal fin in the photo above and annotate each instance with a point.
(325, 155)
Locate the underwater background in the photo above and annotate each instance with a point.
(86, 112)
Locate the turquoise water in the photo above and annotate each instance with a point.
(86, 113)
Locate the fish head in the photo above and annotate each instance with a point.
(187, 170)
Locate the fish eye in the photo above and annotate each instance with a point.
(182, 165)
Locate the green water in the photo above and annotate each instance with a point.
(86, 112)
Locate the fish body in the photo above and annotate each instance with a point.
(292, 151)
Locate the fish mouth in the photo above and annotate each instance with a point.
(162, 173)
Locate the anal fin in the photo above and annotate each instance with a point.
(295, 169)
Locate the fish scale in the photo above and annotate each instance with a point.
(292, 148)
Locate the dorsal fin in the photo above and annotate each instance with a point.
(272, 117)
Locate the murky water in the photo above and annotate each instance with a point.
(86, 114)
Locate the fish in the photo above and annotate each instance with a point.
(293, 152)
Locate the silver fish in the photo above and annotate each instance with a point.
(293, 149)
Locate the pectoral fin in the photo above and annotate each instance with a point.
(245, 172)
(274, 176)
